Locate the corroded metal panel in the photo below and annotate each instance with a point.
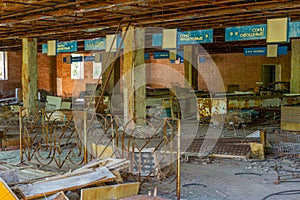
(204, 108)
(219, 106)
(235, 103)
(271, 102)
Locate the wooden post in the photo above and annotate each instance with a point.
(117, 77)
(140, 76)
(187, 51)
(263, 138)
(127, 72)
(295, 67)
(195, 68)
(29, 72)
(53, 74)
(190, 72)
(108, 62)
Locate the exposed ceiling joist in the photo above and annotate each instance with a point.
(65, 20)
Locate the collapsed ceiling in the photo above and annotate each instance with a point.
(66, 20)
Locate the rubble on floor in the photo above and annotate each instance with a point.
(99, 178)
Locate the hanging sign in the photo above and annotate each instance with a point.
(157, 40)
(262, 51)
(255, 32)
(95, 44)
(89, 58)
(258, 51)
(294, 29)
(147, 56)
(44, 48)
(66, 46)
(73, 59)
(161, 55)
(195, 37)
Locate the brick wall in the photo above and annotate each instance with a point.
(233, 68)
(70, 86)
(245, 71)
(7, 87)
(237, 69)
(161, 73)
(44, 76)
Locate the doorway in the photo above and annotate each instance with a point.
(268, 76)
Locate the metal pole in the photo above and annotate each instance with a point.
(20, 126)
(85, 137)
(178, 160)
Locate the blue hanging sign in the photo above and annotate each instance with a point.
(147, 56)
(44, 48)
(66, 47)
(95, 44)
(119, 40)
(180, 55)
(262, 51)
(195, 37)
(294, 29)
(282, 50)
(76, 59)
(157, 40)
(161, 55)
(258, 51)
(89, 58)
(255, 32)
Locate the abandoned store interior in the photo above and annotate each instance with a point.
(151, 99)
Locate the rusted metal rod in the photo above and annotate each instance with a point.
(85, 156)
(178, 160)
(111, 67)
(20, 126)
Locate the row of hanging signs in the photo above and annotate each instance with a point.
(238, 33)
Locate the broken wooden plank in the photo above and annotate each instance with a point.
(102, 151)
(11, 176)
(52, 186)
(58, 196)
(111, 192)
(61, 196)
(228, 156)
(110, 163)
(5, 191)
(143, 197)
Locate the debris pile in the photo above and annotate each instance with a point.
(98, 179)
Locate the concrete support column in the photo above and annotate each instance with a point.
(128, 90)
(140, 75)
(134, 71)
(190, 73)
(29, 72)
(295, 67)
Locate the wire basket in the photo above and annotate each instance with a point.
(288, 143)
